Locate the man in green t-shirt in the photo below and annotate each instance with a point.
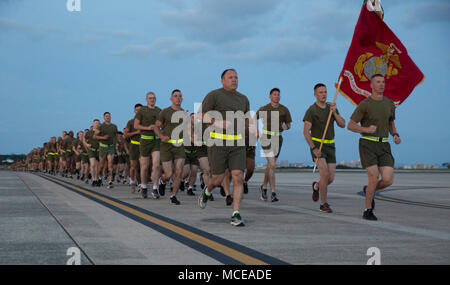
(226, 110)
(149, 147)
(92, 145)
(315, 121)
(276, 118)
(376, 115)
(172, 142)
(106, 135)
(77, 148)
(52, 155)
(134, 137)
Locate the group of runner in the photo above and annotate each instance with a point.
(158, 146)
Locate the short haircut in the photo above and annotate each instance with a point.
(176, 90)
(318, 85)
(150, 93)
(106, 113)
(96, 120)
(376, 75)
(274, 89)
(137, 105)
(226, 70)
(120, 133)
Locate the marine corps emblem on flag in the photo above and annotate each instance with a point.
(376, 50)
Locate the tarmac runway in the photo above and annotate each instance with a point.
(43, 216)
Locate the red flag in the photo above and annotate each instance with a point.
(376, 49)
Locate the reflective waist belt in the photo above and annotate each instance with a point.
(62, 151)
(135, 142)
(226, 137)
(52, 153)
(188, 151)
(175, 141)
(324, 141)
(105, 145)
(271, 133)
(68, 150)
(93, 149)
(149, 137)
(375, 139)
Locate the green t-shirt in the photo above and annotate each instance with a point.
(283, 114)
(222, 101)
(109, 130)
(378, 113)
(51, 147)
(67, 143)
(131, 129)
(148, 116)
(90, 139)
(78, 145)
(165, 117)
(318, 117)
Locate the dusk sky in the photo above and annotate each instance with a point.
(59, 70)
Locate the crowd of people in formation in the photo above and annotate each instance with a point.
(166, 149)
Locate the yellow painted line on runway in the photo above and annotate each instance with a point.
(225, 250)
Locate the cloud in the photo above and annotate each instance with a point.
(171, 47)
(285, 50)
(10, 25)
(220, 21)
(429, 12)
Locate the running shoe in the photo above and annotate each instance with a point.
(368, 215)
(110, 185)
(315, 194)
(144, 192)
(245, 188)
(190, 192)
(161, 188)
(203, 199)
(236, 220)
(174, 200)
(229, 200)
(263, 194)
(155, 194)
(325, 208)
(274, 197)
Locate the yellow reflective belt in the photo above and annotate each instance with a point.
(271, 133)
(187, 151)
(375, 139)
(148, 137)
(226, 137)
(175, 141)
(135, 142)
(62, 151)
(104, 145)
(324, 141)
(93, 149)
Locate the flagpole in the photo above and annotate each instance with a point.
(328, 122)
